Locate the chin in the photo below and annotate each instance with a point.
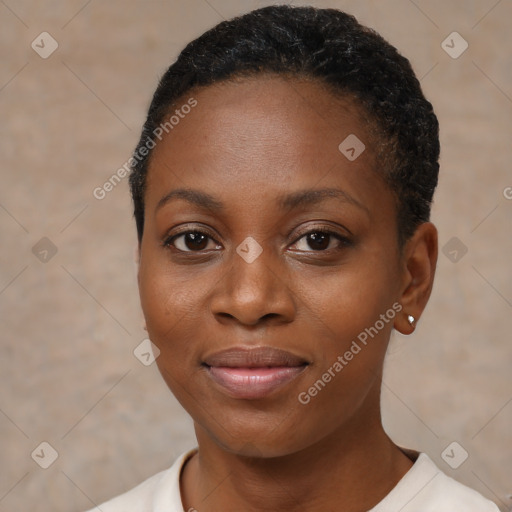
(250, 439)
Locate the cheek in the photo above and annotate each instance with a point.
(348, 300)
(174, 301)
(352, 314)
(354, 319)
(168, 301)
(167, 291)
(170, 305)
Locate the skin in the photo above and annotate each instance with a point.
(247, 143)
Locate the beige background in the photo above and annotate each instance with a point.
(70, 324)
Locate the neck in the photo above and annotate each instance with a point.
(352, 469)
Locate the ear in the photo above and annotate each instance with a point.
(136, 259)
(419, 266)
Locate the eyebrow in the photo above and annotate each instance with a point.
(192, 196)
(286, 202)
(310, 197)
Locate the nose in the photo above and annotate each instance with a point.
(254, 292)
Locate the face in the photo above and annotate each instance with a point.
(269, 266)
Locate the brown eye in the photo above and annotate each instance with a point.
(320, 240)
(190, 241)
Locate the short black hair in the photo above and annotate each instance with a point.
(333, 48)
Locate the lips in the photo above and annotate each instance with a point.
(253, 373)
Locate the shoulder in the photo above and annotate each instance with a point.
(159, 492)
(425, 487)
(139, 498)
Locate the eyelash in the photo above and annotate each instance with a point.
(343, 240)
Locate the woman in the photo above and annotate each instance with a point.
(282, 189)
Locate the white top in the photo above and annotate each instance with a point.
(424, 488)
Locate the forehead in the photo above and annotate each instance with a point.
(265, 134)
(264, 106)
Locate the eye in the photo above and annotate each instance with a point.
(321, 240)
(191, 241)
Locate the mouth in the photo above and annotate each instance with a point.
(253, 373)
